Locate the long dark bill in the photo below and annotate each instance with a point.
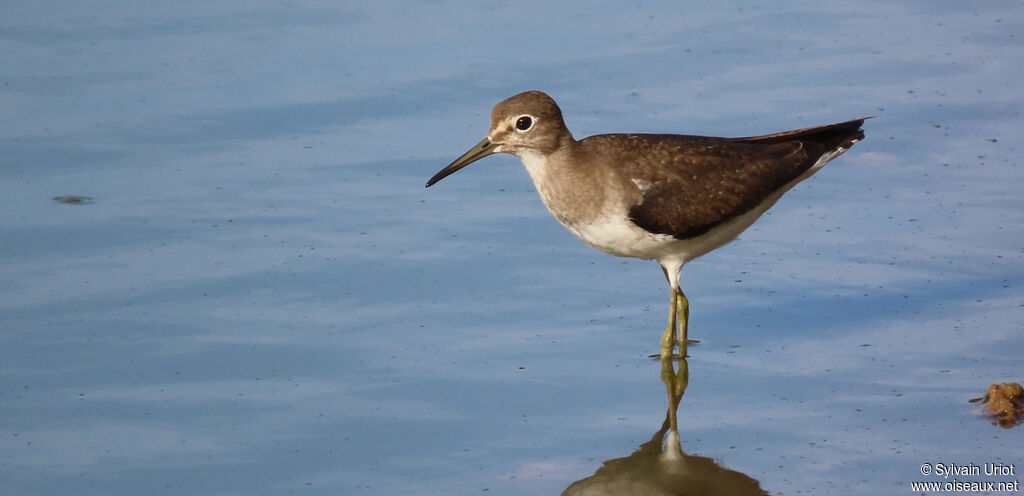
(481, 150)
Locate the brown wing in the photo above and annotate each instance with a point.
(701, 182)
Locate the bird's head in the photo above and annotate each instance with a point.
(529, 122)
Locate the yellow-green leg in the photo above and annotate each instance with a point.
(678, 320)
(678, 313)
(682, 310)
(668, 340)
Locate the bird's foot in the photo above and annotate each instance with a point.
(670, 352)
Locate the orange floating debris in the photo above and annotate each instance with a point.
(1005, 403)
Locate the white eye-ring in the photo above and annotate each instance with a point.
(524, 123)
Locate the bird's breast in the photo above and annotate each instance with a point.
(592, 205)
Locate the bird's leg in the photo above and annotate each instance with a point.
(668, 340)
(683, 311)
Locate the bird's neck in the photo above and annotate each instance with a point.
(561, 183)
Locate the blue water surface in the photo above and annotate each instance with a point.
(262, 298)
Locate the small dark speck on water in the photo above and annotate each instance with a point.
(74, 199)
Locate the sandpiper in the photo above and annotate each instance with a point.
(667, 197)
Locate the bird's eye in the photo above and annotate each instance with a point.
(524, 123)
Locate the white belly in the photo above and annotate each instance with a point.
(621, 237)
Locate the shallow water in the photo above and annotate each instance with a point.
(262, 298)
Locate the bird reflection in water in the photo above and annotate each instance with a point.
(660, 467)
